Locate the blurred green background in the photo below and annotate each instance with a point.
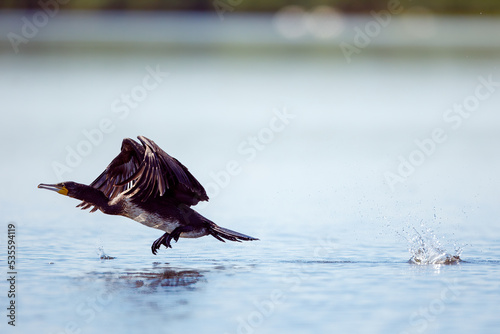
(477, 7)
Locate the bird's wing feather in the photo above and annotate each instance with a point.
(146, 171)
(111, 181)
(162, 175)
(122, 167)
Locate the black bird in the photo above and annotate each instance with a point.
(146, 184)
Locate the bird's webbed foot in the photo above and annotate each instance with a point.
(167, 237)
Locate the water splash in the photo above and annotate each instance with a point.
(102, 255)
(425, 248)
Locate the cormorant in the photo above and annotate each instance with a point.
(146, 184)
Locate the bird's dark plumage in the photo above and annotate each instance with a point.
(146, 172)
(146, 184)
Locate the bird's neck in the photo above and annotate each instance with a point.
(95, 197)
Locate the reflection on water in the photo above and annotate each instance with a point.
(150, 280)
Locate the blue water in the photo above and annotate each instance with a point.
(294, 149)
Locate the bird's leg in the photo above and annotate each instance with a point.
(167, 237)
(161, 241)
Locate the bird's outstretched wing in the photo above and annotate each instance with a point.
(159, 174)
(146, 171)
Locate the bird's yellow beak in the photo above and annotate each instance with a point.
(54, 187)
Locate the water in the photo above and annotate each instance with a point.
(425, 248)
(336, 239)
(293, 282)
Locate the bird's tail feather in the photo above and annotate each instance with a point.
(221, 233)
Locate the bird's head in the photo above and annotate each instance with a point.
(70, 189)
